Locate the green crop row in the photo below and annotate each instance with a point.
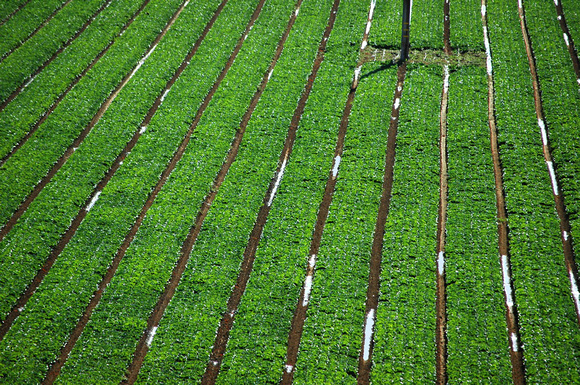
(465, 25)
(22, 63)
(547, 318)
(75, 112)
(8, 7)
(59, 302)
(266, 311)
(142, 275)
(35, 99)
(478, 347)
(571, 10)
(26, 247)
(16, 30)
(561, 102)
(404, 349)
(426, 28)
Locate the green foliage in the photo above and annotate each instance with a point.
(404, 347)
(465, 25)
(37, 97)
(478, 347)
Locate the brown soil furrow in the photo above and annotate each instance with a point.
(76, 143)
(297, 325)
(44, 23)
(446, 28)
(565, 233)
(365, 357)
(516, 353)
(54, 56)
(157, 313)
(441, 295)
(55, 369)
(66, 91)
(14, 12)
(568, 39)
(222, 335)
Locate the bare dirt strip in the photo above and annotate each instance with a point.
(157, 313)
(14, 12)
(365, 357)
(552, 168)
(39, 277)
(54, 56)
(568, 39)
(44, 23)
(297, 325)
(516, 353)
(226, 323)
(76, 143)
(66, 91)
(441, 296)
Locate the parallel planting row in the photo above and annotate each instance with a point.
(166, 215)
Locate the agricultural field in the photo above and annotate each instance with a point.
(261, 191)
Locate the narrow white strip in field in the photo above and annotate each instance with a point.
(289, 368)
(93, 201)
(28, 82)
(397, 103)
(278, 180)
(520, 5)
(151, 335)
(369, 325)
(507, 282)
(574, 288)
(446, 79)
(556, 2)
(164, 95)
(565, 235)
(441, 262)
(335, 167)
(553, 177)
(566, 40)
(515, 342)
(410, 12)
(143, 129)
(368, 26)
(543, 131)
(487, 50)
(307, 290)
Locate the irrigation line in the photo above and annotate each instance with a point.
(516, 351)
(441, 295)
(297, 326)
(565, 233)
(163, 301)
(76, 143)
(568, 38)
(226, 323)
(55, 55)
(44, 23)
(14, 12)
(372, 301)
(75, 81)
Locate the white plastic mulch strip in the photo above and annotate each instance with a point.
(151, 335)
(369, 324)
(507, 282)
(277, 183)
(93, 201)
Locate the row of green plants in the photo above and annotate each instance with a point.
(465, 25)
(8, 7)
(36, 98)
(478, 347)
(426, 28)
(404, 347)
(75, 112)
(267, 308)
(26, 246)
(572, 13)
(102, 232)
(547, 318)
(561, 102)
(16, 30)
(24, 61)
(143, 273)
